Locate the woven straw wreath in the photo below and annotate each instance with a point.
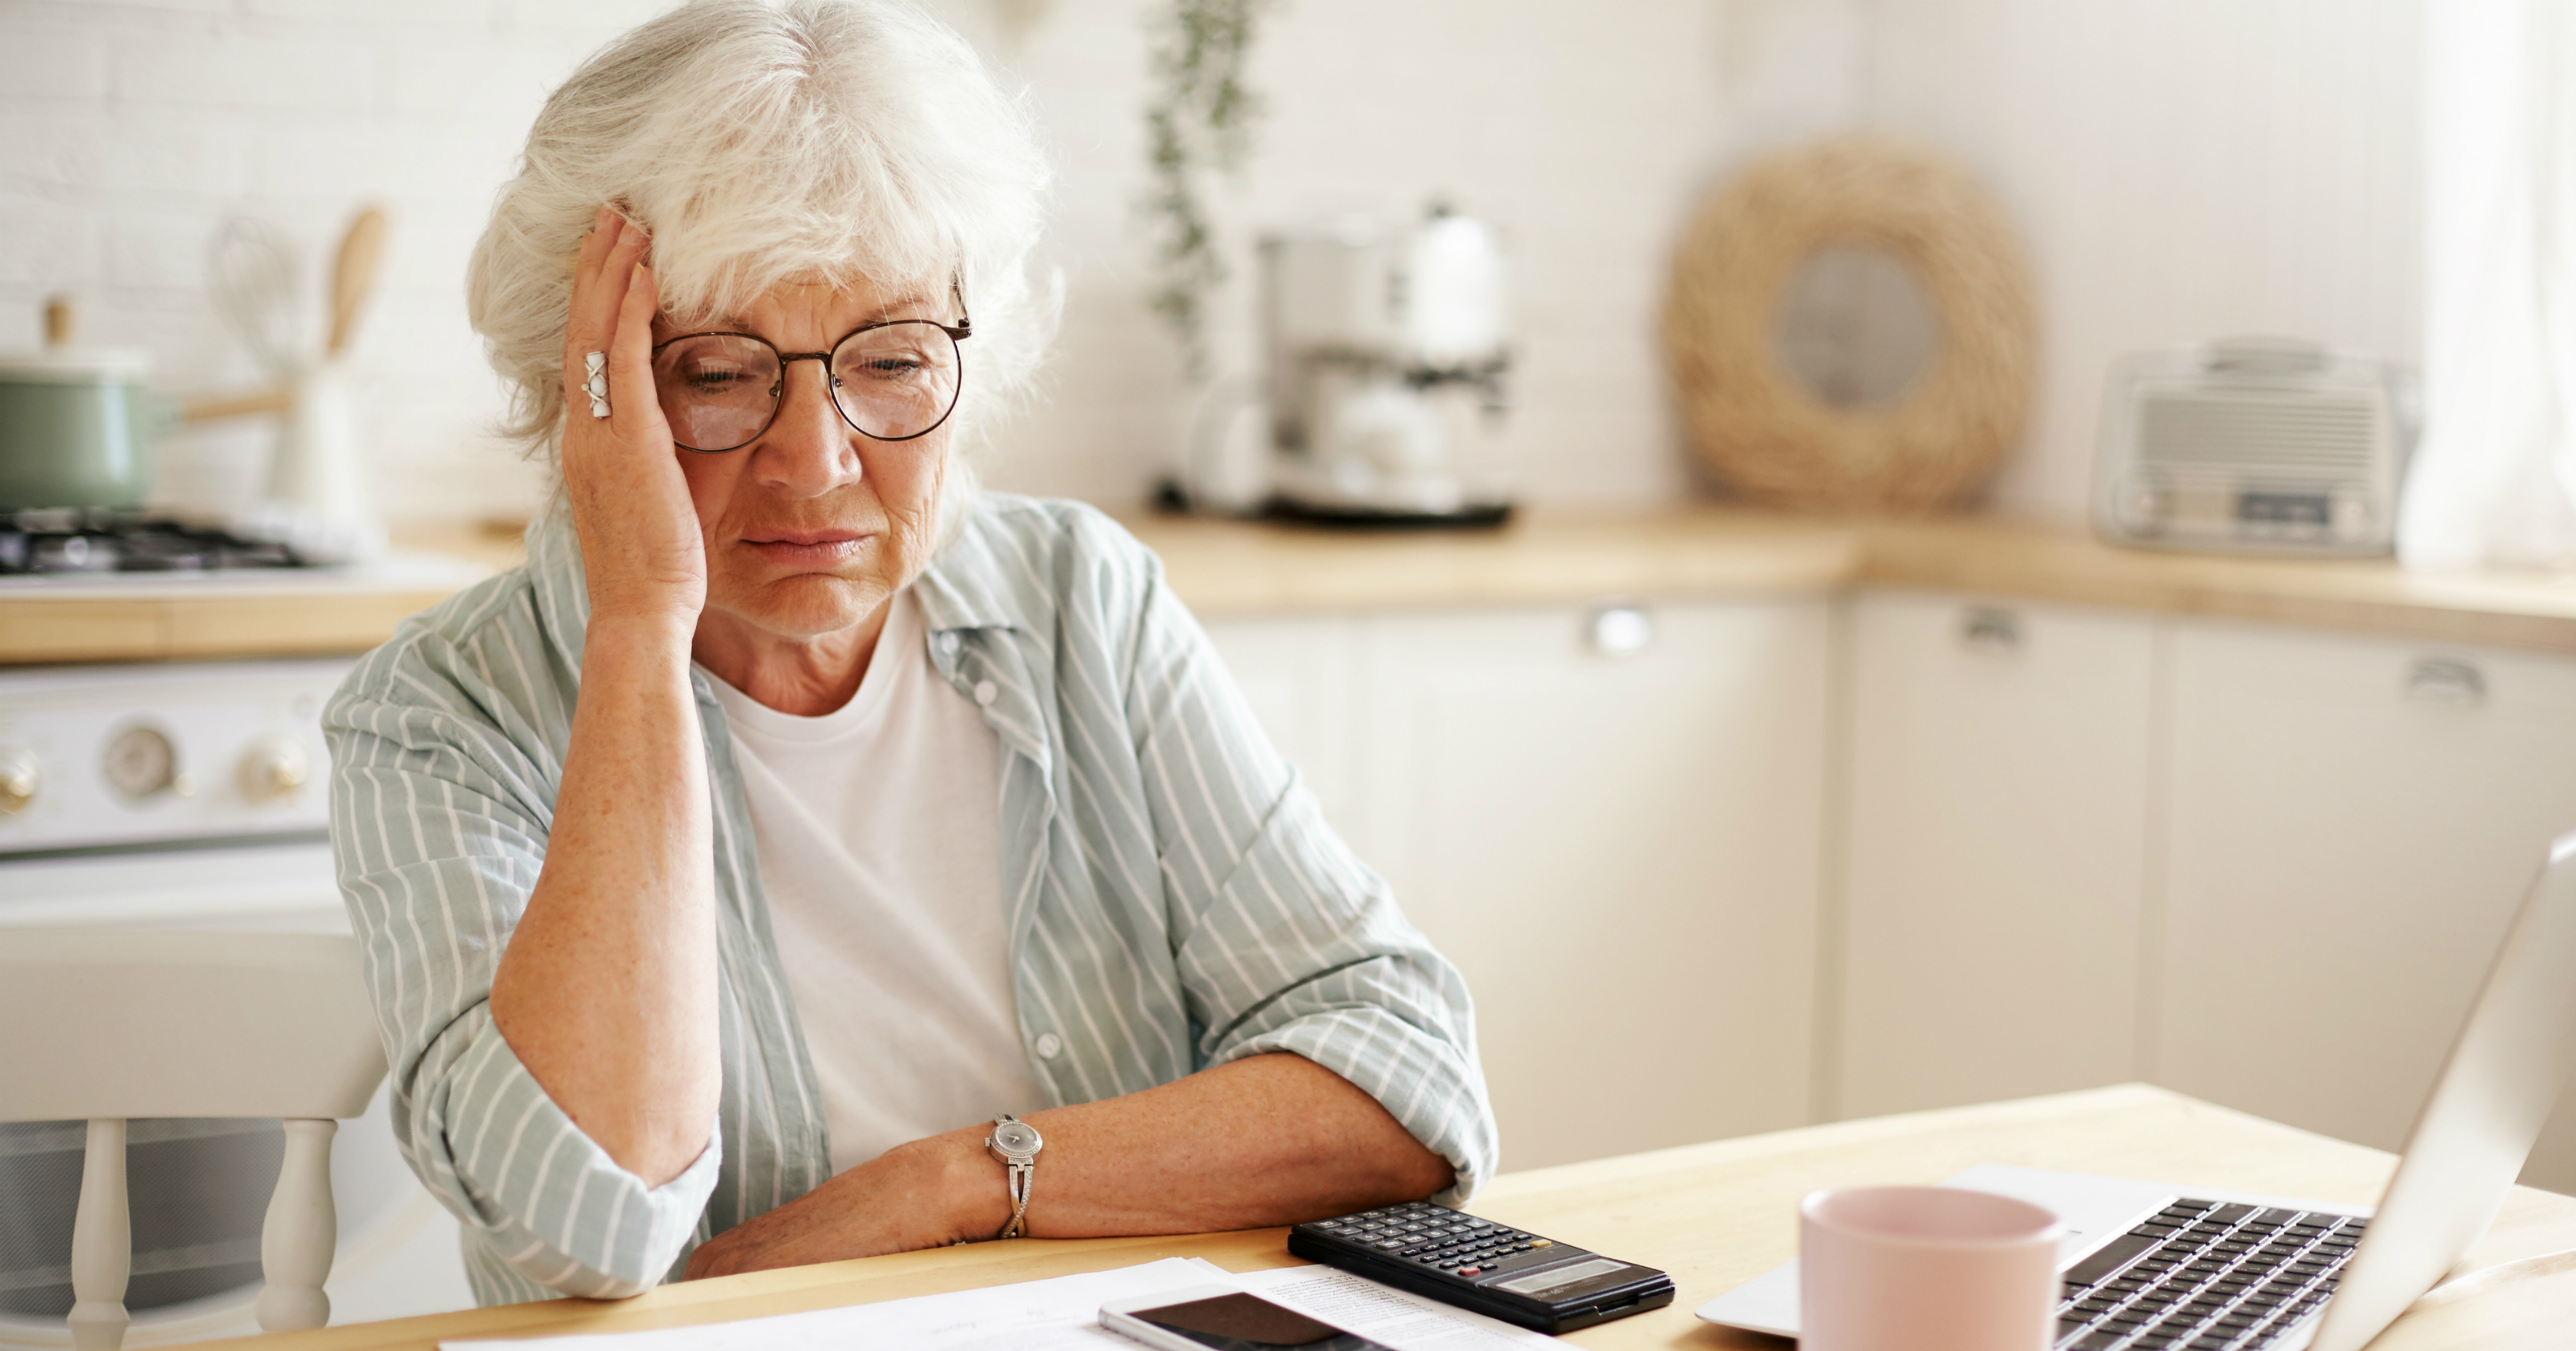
(1756, 425)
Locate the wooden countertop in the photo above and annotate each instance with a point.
(2506, 609)
(1714, 1215)
(1226, 568)
(1223, 568)
(253, 614)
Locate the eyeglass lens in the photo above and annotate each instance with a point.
(892, 382)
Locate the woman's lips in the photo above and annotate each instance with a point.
(810, 550)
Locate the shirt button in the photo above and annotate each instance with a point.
(1049, 1044)
(986, 692)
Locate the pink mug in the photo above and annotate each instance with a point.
(1925, 1269)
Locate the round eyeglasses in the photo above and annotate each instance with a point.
(891, 381)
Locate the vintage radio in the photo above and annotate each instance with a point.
(2253, 445)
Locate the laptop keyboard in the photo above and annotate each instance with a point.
(2203, 1276)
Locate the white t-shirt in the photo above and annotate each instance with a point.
(879, 833)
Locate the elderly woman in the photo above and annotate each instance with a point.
(804, 856)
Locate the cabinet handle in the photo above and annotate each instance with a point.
(1620, 630)
(2446, 680)
(1990, 629)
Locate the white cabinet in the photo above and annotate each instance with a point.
(1622, 855)
(1996, 850)
(1620, 852)
(2264, 865)
(1297, 674)
(2352, 821)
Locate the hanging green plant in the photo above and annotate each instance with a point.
(1198, 124)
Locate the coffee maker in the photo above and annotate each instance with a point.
(1385, 364)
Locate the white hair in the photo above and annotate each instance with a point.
(808, 140)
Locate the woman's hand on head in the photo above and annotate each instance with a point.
(641, 546)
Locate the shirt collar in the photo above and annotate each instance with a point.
(961, 588)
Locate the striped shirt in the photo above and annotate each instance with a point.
(1175, 897)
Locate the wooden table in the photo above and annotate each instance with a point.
(1713, 1215)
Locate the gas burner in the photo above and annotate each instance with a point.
(94, 541)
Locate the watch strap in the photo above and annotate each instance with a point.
(1022, 1169)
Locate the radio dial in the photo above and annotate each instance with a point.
(274, 769)
(19, 781)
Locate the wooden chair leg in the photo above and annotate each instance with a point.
(102, 1243)
(301, 1233)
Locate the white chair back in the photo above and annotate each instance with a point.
(105, 1025)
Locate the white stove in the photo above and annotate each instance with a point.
(120, 759)
(189, 796)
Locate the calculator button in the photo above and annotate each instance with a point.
(1541, 1243)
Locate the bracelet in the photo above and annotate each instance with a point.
(1016, 1144)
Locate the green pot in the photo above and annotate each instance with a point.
(76, 429)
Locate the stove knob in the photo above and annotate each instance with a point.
(19, 782)
(274, 769)
(140, 761)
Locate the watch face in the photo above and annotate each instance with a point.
(1015, 1137)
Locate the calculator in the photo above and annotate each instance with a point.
(1492, 1269)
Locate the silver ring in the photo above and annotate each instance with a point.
(595, 364)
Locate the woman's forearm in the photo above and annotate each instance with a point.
(607, 990)
(1265, 1140)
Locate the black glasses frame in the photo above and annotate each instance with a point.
(958, 332)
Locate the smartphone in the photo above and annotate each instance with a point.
(1222, 1318)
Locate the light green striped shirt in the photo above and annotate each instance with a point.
(1176, 899)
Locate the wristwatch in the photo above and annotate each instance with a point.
(1016, 1144)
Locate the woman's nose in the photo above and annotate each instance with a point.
(807, 449)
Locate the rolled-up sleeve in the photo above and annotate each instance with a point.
(1285, 941)
(439, 823)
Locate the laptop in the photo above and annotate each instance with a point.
(2149, 1267)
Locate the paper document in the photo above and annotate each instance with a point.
(1382, 1313)
(1062, 1314)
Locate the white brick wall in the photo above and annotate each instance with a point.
(1581, 129)
(133, 129)
(2183, 169)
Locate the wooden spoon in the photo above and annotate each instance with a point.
(354, 275)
